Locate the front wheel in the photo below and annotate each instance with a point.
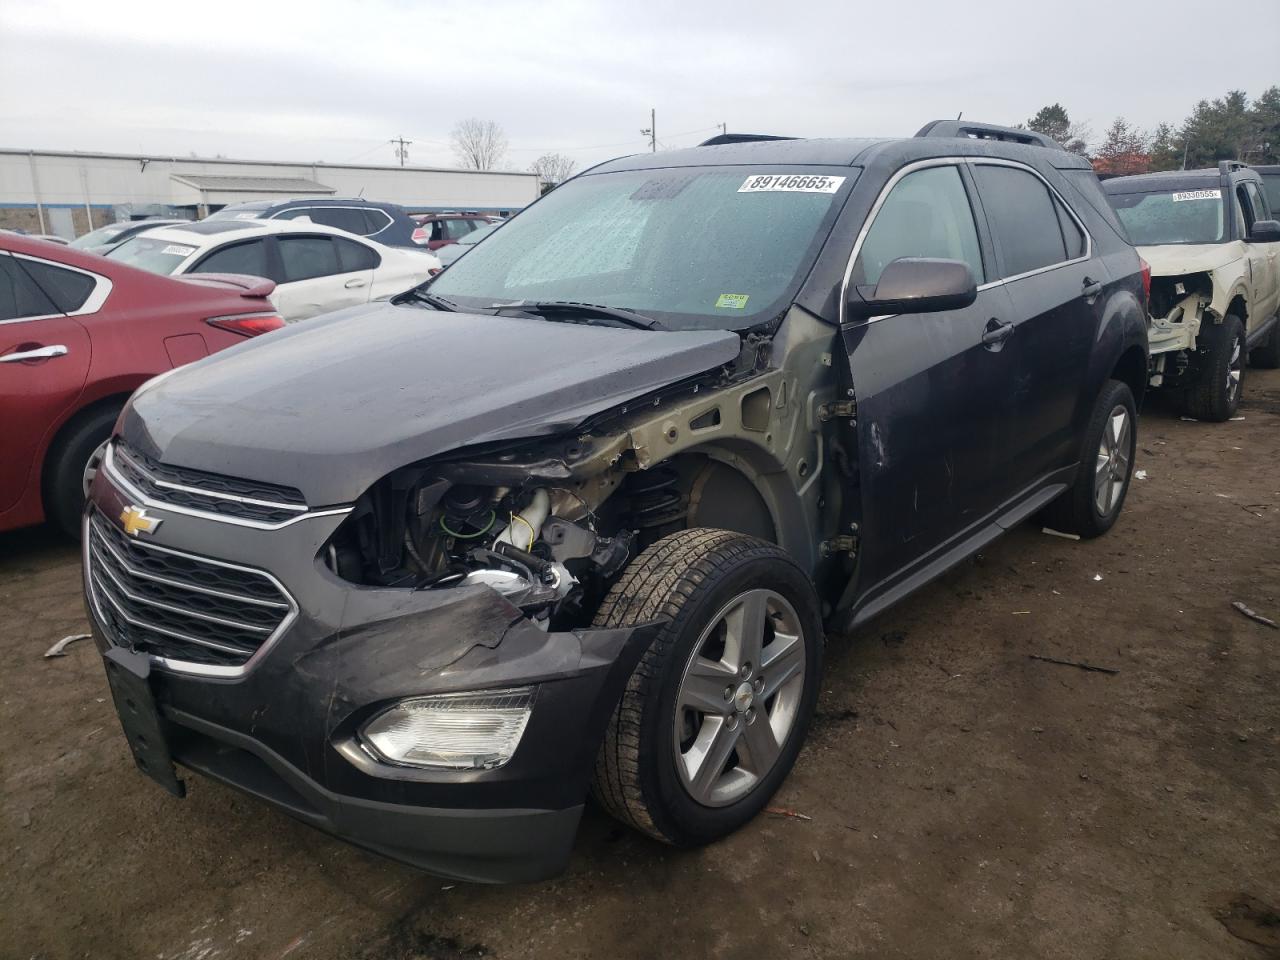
(1221, 354)
(72, 465)
(715, 713)
(1092, 504)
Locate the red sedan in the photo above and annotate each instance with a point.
(78, 334)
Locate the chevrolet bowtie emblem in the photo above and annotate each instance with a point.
(136, 521)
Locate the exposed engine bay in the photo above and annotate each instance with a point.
(543, 548)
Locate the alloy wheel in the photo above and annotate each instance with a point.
(1112, 470)
(739, 697)
(1235, 370)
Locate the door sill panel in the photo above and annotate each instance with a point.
(906, 582)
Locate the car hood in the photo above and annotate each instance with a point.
(1176, 259)
(332, 405)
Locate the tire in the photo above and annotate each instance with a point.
(1220, 349)
(66, 467)
(1267, 354)
(703, 579)
(1090, 507)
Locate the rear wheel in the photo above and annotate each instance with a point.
(716, 711)
(1267, 354)
(72, 465)
(1090, 507)
(1221, 355)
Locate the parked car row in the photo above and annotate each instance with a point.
(78, 334)
(316, 269)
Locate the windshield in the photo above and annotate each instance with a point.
(1182, 216)
(700, 248)
(151, 253)
(96, 238)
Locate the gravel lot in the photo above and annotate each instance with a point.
(958, 798)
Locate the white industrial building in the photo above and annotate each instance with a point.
(68, 193)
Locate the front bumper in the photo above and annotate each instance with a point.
(286, 730)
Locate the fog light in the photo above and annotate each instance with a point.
(456, 731)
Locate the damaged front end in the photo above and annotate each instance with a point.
(1179, 306)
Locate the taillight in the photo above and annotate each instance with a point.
(419, 235)
(1146, 282)
(248, 324)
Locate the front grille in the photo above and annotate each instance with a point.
(207, 492)
(179, 606)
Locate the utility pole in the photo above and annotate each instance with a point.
(402, 148)
(724, 129)
(652, 131)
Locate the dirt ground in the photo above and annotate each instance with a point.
(959, 798)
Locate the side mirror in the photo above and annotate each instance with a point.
(915, 285)
(1264, 231)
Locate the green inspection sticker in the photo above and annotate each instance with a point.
(734, 301)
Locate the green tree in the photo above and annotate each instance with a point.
(1053, 121)
(1165, 148)
(1265, 118)
(1221, 129)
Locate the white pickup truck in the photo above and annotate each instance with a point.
(1213, 245)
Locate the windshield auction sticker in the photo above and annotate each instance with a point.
(790, 183)
(177, 250)
(1197, 195)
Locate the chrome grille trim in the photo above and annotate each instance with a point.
(185, 638)
(120, 587)
(142, 574)
(105, 591)
(119, 481)
(215, 494)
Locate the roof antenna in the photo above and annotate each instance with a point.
(960, 114)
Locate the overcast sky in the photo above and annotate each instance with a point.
(334, 81)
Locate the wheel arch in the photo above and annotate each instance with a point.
(1131, 368)
(66, 429)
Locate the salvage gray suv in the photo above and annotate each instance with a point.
(573, 517)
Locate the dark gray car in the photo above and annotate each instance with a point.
(573, 516)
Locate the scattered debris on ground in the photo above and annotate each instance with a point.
(59, 649)
(1255, 616)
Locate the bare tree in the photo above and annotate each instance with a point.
(479, 144)
(553, 169)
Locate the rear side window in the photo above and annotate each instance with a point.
(355, 256)
(927, 214)
(19, 295)
(1271, 187)
(67, 289)
(375, 221)
(1023, 217)
(340, 218)
(1071, 231)
(249, 258)
(1257, 201)
(305, 258)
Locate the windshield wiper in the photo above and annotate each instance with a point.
(626, 317)
(431, 300)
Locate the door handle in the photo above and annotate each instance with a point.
(996, 332)
(40, 353)
(1091, 289)
(353, 283)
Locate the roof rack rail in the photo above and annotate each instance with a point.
(987, 131)
(722, 138)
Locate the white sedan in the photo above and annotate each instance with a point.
(316, 268)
